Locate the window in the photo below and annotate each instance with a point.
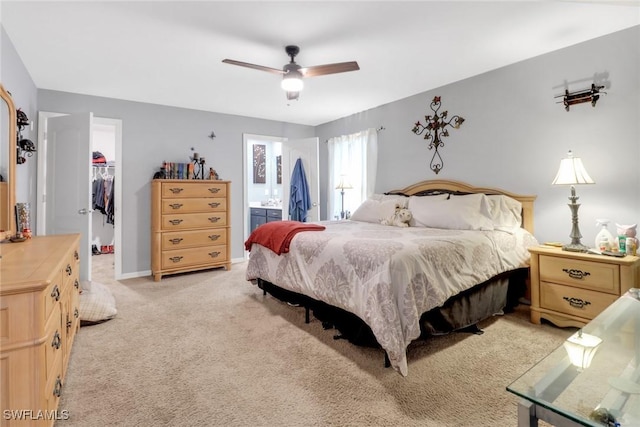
(353, 158)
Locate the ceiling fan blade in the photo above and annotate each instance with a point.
(254, 66)
(321, 70)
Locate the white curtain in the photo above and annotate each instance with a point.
(355, 158)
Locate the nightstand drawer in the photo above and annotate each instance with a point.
(581, 273)
(573, 301)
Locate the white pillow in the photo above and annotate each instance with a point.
(506, 212)
(97, 303)
(468, 212)
(422, 207)
(374, 210)
(402, 200)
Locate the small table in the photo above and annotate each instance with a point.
(556, 391)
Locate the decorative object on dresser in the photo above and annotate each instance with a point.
(571, 288)
(572, 172)
(190, 226)
(436, 128)
(39, 307)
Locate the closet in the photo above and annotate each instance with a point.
(103, 186)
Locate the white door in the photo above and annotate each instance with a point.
(68, 187)
(307, 150)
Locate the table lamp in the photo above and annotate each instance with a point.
(581, 348)
(344, 184)
(572, 172)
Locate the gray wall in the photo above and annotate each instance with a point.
(515, 134)
(152, 134)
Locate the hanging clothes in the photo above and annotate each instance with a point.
(299, 198)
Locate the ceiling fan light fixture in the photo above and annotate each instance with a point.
(292, 81)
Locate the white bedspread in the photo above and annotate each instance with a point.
(388, 276)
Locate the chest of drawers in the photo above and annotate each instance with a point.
(190, 226)
(571, 288)
(39, 318)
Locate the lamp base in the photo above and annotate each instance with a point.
(575, 247)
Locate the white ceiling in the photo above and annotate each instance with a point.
(171, 52)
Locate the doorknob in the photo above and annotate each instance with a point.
(314, 204)
(84, 211)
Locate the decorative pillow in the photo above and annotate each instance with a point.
(506, 212)
(97, 303)
(468, 212)
(374, 210)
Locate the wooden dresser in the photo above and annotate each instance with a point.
(571, 288)
(190, 226)
(39, 318)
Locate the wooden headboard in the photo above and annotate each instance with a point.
(437, 186)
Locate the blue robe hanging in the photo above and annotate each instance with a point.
(299, 199)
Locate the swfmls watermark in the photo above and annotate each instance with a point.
(34, 415)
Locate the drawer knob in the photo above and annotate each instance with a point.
(214, 204)
(56, 341)
(574, 273)
(214, 236)
(76, 256)
(176, 258)
(69, 323)
(68, 270)
(214, 190)
(214, 218)
(55, 293)
(57, 388)
(76, 284)
(176, 205)
(214, 254)
(176, 190)
(176, 240)
(175, 221)
(76, 313)
(576, 302)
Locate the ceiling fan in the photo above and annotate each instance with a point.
(293, 73)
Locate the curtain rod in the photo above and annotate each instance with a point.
(377, 130)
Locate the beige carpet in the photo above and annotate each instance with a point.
(207, 349)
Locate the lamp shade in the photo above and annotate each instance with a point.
(572, 172)
(292, 81)
(581, 348)
(344, 183)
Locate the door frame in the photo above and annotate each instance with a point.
(246, 209)
(42, 174)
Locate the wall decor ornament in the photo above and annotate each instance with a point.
(435, 129)
(259, 164)
(587, 95)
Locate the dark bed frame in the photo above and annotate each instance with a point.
(461, 312)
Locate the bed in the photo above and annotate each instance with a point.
(458, 263)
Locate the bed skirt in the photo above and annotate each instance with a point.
(460, 312)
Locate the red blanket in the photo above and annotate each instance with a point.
(277, 235)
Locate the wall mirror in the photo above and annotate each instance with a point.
(7, 163)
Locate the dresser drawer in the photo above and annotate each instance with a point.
(274, 214)
(53, 293)
(194, 220)
(201, 204)
(574, 301)
(191, 239)
(581, 273)
(17, 314)
(194, 256)
(53, 343)
(193, 189)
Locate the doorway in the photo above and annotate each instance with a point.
(108, 133)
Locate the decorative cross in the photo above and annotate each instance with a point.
(436, 128)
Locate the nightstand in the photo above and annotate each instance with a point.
(571, 288)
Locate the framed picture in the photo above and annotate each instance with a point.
(259, 164)
(278, 169)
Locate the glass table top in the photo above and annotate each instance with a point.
(605, 392)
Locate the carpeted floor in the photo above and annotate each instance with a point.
(207, 349)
